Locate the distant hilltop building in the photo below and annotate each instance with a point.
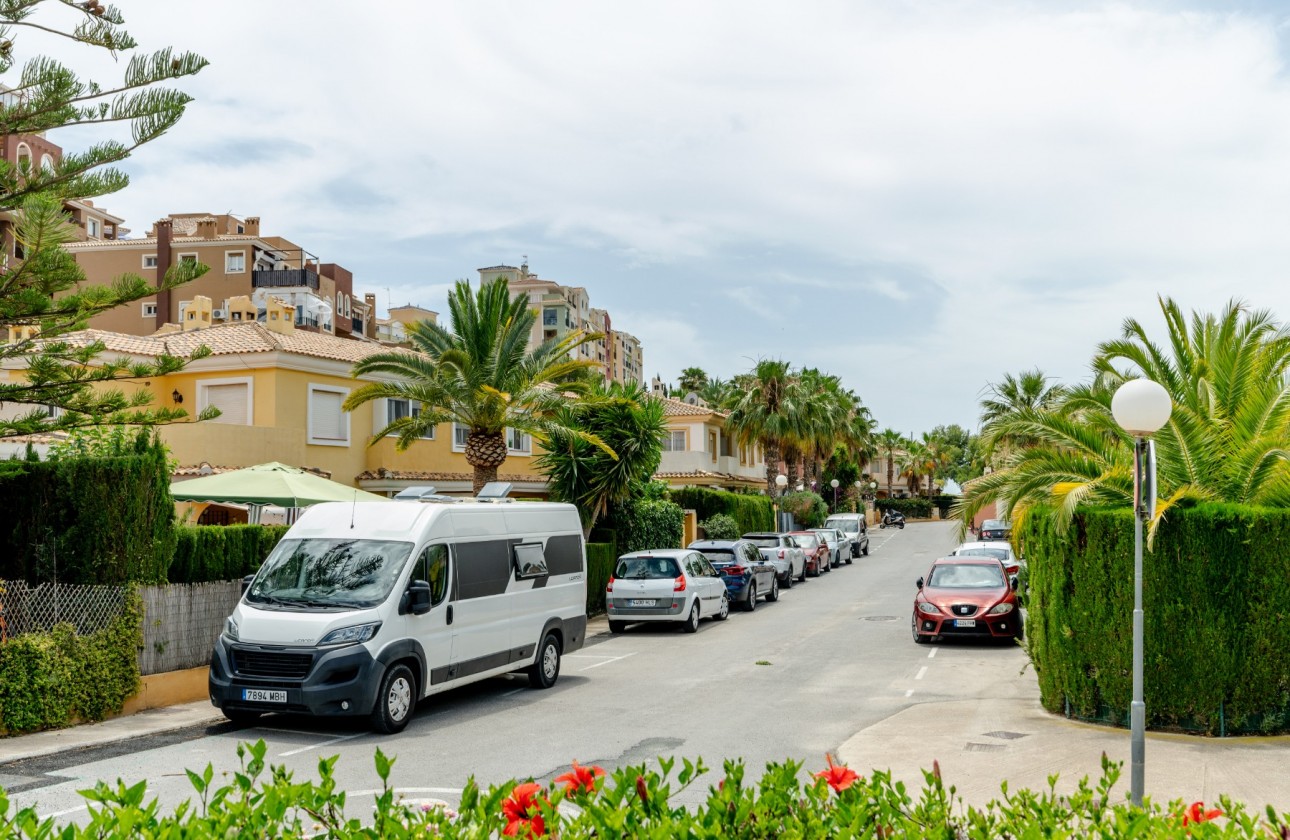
(565, 309)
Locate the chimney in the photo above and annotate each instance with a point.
(279, 316)
(252, 225)
(197, 316)
(163, 228)
(206, 228)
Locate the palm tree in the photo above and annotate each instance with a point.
(718, 393)
(692, 379)
(888, 442)
(766, 412)
(625, 418)
(479, 375)
(1030, 390)
(1225, 441)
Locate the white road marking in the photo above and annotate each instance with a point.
(921, 672)
(607, 661)
(326, 743)
(378, 791)
(909, 693)
(932, 655)
(57, 814)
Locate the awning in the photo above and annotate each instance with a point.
(268, 484)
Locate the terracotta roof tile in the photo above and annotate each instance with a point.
(709, 475)
(679, 408)
(230, 339)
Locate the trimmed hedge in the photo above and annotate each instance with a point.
(721, 527)
(912, 508)
(103, 520)
(808, 509)
(221, 552)
(600, 565)
(750, 512)
(649, 523)
(54, 679)
(1216, 595)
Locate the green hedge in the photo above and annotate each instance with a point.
(649, 523)
(1216, 596)
(751, 513)
(99, 519)
(600, 565)
(808, 509)
(54, 679)
(221, 552)
(912, 508)
(721, 527)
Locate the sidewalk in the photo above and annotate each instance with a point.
(980, 743)
(125, 728)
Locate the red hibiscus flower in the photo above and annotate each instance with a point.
(523, 811)
(839, 776)
(1197, 814)
(580, 779)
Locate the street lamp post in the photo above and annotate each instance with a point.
(859, 494)
(1141, 407)
(834, 484)
(781, 481)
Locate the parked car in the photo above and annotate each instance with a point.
(665, 585)
(839, 547)
(780, 551)
(996, 529)
(855, 528)
(747, 574)
(967, 596)
(999, 550)
(817, 553)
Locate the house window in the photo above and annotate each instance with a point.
(712, 446)
(328, 421)
(674, 441)
(398, 409)
(233, 398)
(24, 156)
(47, 163)
(92, 227)
(517, 441)
(150, 310)
(727, 446)
(149, 260)
(460, 434)
(191, 259)
(234, 262)
(241, 229)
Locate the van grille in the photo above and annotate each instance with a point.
(259, 663)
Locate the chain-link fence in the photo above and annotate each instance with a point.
(31, 609)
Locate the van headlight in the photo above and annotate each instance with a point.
(230, 629)
(353, 635)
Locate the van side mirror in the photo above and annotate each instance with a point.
(919, 583)
(246, 583)
(417, 599)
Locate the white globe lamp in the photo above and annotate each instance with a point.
(1141, 407)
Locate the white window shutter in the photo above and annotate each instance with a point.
(232, 402)
(328, 417)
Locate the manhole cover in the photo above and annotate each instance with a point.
(1005, 735)
(879, 617)
(971, 747)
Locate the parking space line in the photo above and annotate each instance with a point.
(58, 814)
(921, 672)
(909, 693)
(932, 655)
(326, 743)
(608, 661)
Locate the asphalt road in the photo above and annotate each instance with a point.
(793, 679)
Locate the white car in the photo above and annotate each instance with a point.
(839, 545)
(991, 548)
(665, 585)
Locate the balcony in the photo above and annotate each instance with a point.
(284, 278)
(689, 461)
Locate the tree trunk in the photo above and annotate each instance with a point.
(485, 452)
(891, 468)
(770, 448)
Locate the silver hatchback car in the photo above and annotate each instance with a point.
(676, 585)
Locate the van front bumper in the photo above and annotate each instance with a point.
(327, 682)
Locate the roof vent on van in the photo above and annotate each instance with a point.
(422, 493)
(495, 491)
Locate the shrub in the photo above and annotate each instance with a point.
(600, 565)
(649, 523)
(808, 509)
(912, 508)
(750, 512)
(54, 679)
(786, 800)
(221, 552)
(720, 527)
(1216, 592)
(77, 514)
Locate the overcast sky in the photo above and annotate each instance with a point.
(918, 197)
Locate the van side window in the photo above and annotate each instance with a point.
(432, 567)
(530, 561)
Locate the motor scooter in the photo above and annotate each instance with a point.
(894, 518)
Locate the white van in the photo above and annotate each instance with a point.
(365, 608)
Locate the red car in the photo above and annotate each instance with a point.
(816, 551)
(967, 596)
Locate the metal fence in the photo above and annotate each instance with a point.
(31, 609)
(181, 622)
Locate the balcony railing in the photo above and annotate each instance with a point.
(284, 278)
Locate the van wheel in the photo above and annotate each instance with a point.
(544, 672)
(395, 700)
(617, 626)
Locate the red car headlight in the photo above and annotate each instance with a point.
(928, 607)
(1000, 609)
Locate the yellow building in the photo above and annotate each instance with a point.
(698, 451)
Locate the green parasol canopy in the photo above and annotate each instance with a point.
(268, 484)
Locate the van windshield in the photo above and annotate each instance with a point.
(329, 574)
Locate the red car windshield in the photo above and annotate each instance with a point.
(804, 541)
(966, 576)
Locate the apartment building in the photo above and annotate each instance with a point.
(566, 309)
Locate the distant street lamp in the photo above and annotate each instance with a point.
(781, 481)
(1141, 407)
(834, 484)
